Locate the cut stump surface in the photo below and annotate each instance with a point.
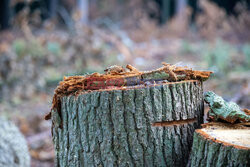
(221, 146)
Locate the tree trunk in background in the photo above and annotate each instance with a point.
(217, 149)
(83, 6)
(53, 5)
(149, 126)
(4, 14)
(181, 5)
(165, 13)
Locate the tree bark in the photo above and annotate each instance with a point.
(221, 148)
(132, 126)
(14, 151)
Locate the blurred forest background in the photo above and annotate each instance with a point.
(43, 40)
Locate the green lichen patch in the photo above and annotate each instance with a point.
(221, 109)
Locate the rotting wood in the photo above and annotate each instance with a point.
(117, 77)
(226, 111)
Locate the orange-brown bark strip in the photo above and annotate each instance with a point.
(172, 123)
(247, 111)
(79, 83)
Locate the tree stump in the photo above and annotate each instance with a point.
(225, 145)
(136, 124)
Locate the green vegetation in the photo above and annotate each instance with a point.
(224, 58)
(246, 52)
(29, 47)
(219, 57)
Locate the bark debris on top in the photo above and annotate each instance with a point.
(119, 77)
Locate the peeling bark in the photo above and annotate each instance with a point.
(226, 111)
(113, 127)
(119, 78)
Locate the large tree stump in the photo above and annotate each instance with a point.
(221, 146)
(139, 124)
(114, 127)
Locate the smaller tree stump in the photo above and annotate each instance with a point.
(221, 145)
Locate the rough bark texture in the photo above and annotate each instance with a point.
(115, 127)
(227, 111)
(208, 152)
(13, 147)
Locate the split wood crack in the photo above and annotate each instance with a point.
(171, 123)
